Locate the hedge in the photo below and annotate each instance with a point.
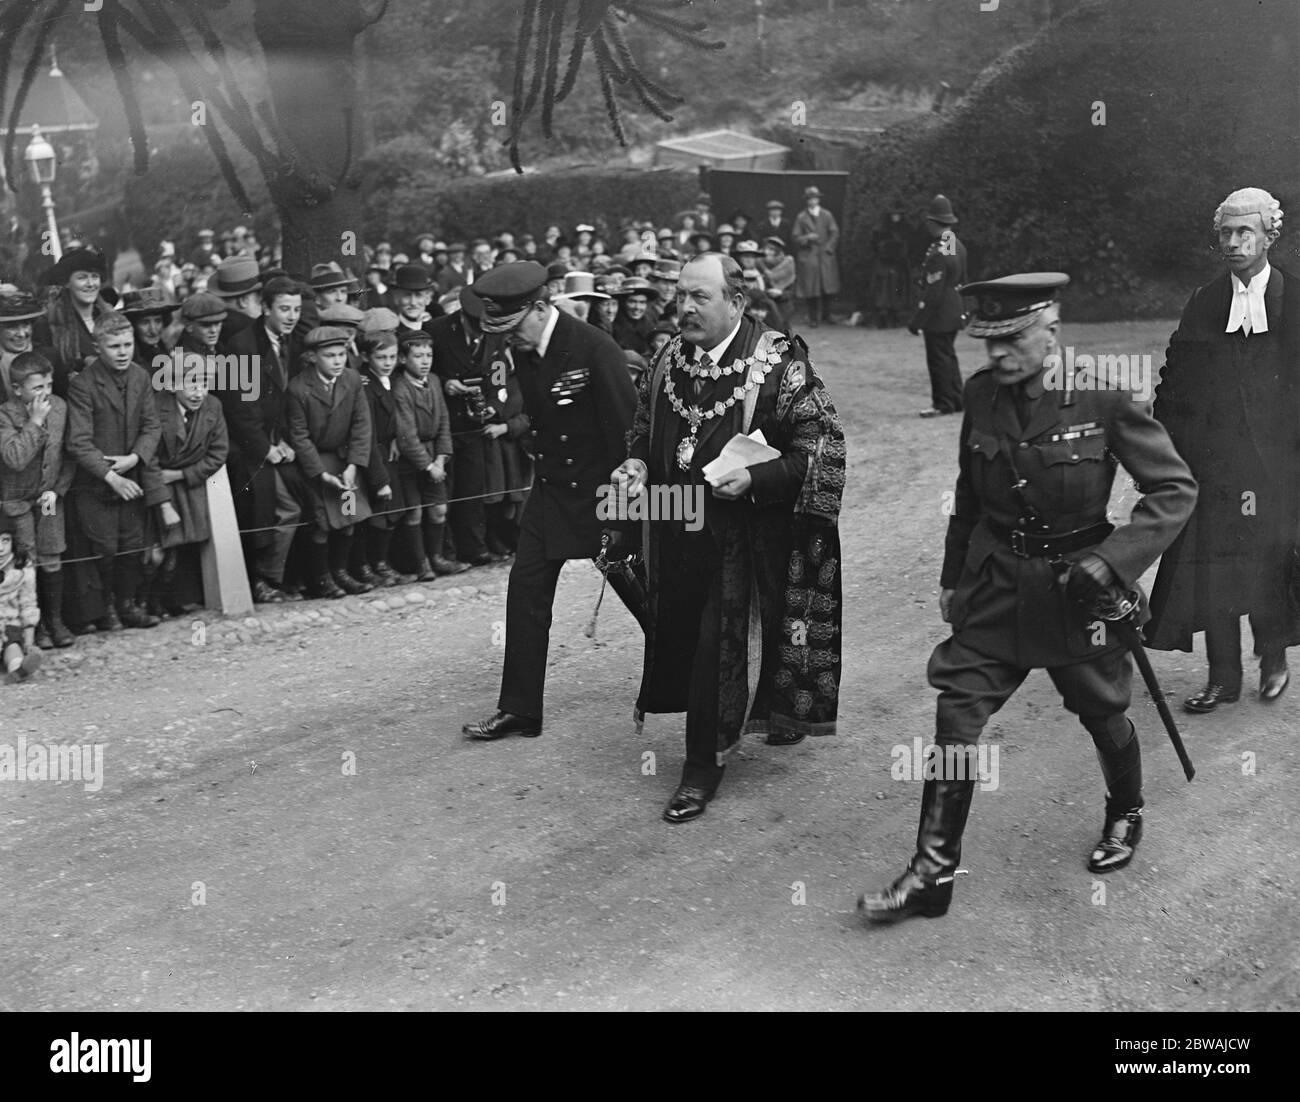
(1124, 207)
(404, 202)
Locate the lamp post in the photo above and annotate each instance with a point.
(43, 163)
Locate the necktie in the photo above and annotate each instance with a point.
(703, 364)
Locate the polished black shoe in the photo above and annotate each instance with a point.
(1210, 698)
(349, 584)
(328, 588)
(688, 803)
(1119, 838)
(264, 593)
(503, 724)
(446, 566)
(911, 894)
(1273, 677)
(785, 738)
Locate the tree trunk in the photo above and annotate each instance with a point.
(310, 51)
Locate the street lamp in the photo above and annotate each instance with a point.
(43, 163)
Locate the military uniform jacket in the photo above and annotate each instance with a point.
(942, 272)
(32, 459)
(577, 442)
(105, 419)
(1011, 608)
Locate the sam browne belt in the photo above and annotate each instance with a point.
(1037, 545)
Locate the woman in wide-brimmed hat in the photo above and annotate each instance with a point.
(70, 317)
(635, 322)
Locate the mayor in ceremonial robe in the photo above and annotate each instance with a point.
(768, 538)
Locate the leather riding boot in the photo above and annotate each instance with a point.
(1121, 767)
(926, 887)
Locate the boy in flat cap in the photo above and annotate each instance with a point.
(371, 555)
(270, 492)
(203, 315)
(192, 446)
(113, 434)
(329, 429)
(424, 448)
(35, 474)
(1032, 567)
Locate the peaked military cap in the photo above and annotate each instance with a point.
(1008, 305)
(507, 291)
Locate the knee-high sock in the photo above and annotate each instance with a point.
(340, 547)
(432, 537)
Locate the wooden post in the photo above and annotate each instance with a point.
(225, 578)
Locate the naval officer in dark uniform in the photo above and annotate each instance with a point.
(580, 399)
(1037, 462)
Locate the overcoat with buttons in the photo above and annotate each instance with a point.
(942, 271)
(580, 401)
(1011, 608)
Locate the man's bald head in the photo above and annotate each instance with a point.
(710, 298)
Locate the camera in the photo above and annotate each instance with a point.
(475, 404)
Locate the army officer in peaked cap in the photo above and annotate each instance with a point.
(1030, 562)
(580, 400)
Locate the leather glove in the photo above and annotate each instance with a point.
(1088, 582)
(914, 330)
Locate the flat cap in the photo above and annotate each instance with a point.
(325, 335)
(406, 337)
(1007, 305)
(341, 314)
(203, 307)
(379, 319)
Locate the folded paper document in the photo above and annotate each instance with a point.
(740, 451)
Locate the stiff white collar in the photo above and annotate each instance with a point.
(547, 332)
(719, 350)
(1247, 311)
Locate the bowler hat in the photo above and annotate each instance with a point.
(412, 277)
(203, 307)
(146, 302)
(19, 306)
(236, 275)
(557, 270)
(941, 211)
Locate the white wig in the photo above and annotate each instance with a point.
(1252, 200)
